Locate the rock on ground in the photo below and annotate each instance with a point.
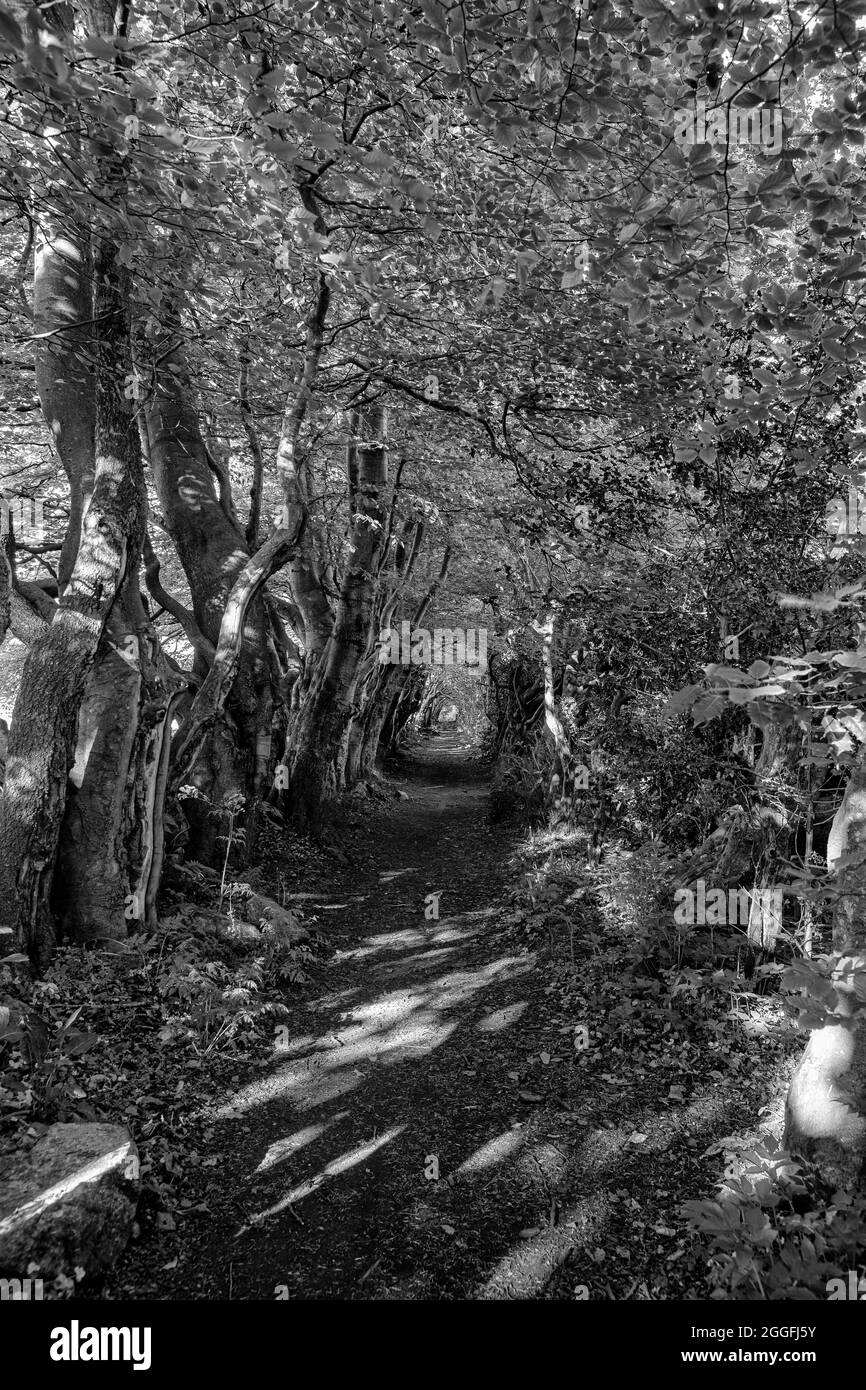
(69, 1202)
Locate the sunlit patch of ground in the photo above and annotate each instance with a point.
(403, 1024)
(427, 1127)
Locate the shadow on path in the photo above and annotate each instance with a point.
(408, 1138)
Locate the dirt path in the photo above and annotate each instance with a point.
(409, 1139)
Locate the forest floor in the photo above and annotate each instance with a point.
(456, 1108)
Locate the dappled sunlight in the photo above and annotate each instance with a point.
(545, 1158)
(21, 780)
(371, 1089)
(426, 960)
(330, 1002)
(408, 939)
(326, 1088)
(495, 1151)
(386, 941)
(433, 744)
(402, 1025)
(285, 1148)
(755, 1015)
(286, 1079)
(527, 1266)
(343, 1164)
(502, 1018)
(296, 1045)
(450, 932)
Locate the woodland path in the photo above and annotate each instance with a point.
(427, 1041)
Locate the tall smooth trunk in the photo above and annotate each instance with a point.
(826, 1104)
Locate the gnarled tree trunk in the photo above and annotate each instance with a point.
(45, 721)
(213, 553)
(316, 766)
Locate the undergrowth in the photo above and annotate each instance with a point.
(772, 1229)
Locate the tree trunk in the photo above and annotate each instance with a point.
(207, 708)
(5, 590)
(45, 720)
(110, 838)
(316, 767)
(826, 1105)
(62, 322)
(213, 553)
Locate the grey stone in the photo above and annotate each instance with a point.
(69, 1202)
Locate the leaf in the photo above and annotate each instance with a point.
(740, 695)
(680, 701)
(432, 227)
(76, 1044)
(708, 708)
(100, 48)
